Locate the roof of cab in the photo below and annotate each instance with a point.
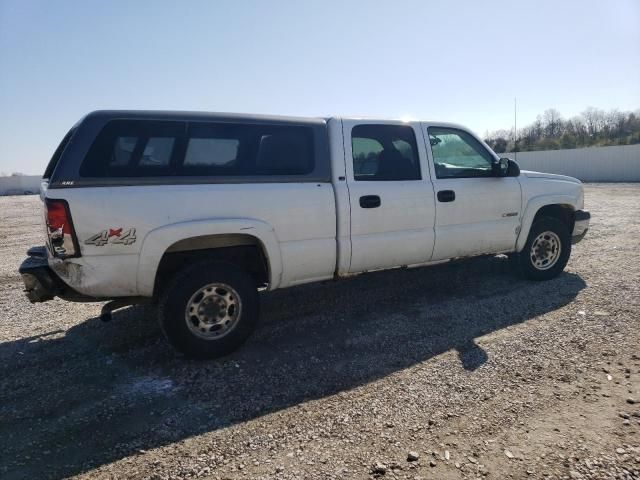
(399, 121)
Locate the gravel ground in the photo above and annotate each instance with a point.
(456, 371)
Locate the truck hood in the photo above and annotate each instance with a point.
(549, 176)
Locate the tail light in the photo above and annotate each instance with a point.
(62, 236)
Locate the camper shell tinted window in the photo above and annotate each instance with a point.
(143, 148)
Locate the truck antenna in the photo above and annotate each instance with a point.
(515, 128)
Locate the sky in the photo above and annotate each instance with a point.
(460, 61)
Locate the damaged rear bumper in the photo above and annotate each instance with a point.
(41, 283)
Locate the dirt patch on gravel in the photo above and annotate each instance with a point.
(473, 371)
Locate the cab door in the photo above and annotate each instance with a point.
(477, 212)
(390, 193)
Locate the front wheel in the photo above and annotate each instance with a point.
(209, 309)
(547, 250)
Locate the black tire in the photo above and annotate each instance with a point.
(178, 294)
(524, 261)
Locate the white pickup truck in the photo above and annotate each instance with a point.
(198, 212)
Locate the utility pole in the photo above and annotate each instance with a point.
(515, 128)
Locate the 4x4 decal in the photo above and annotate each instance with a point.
(112, 236)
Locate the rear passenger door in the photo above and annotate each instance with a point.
(391, 196)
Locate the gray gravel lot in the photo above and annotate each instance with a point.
(475, 372)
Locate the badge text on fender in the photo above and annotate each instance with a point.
(112, 236)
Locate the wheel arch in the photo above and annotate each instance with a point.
(240, 241)
(562, 207)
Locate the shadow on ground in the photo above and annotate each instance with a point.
(71, 401)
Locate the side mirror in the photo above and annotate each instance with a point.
(513, 169)
(500, 167)
(505, 167)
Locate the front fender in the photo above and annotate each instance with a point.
(536, 203)
(157, 242)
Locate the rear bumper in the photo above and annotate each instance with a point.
(581, 225)
(40, 282)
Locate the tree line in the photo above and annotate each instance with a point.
(550, 131)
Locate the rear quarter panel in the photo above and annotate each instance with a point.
(300, 219)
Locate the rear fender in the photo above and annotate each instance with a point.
(159, 240)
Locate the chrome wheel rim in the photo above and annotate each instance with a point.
(545, 250)
(213, 311)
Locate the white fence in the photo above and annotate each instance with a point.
(19, 185)
(595, 164)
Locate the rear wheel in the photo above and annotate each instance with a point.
(547, 250)
(209, 309)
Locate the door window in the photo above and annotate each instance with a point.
(457, 154)
(384, 152)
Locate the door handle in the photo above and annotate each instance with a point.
(446, 196)
(370, 201)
